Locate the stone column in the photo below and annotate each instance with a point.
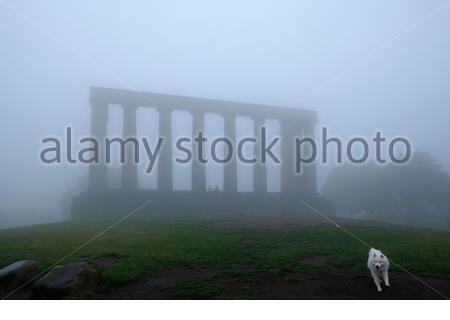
(198, 169)
(165, 182)
(98, 179)
(309, 176)
(288, 176)
(230, 168)
(260, 169)
(129, 168)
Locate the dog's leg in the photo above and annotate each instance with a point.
(386, 278)
(376, 280)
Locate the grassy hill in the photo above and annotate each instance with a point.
(189, 258)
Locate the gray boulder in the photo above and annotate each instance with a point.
(73, 279)
(18, 273)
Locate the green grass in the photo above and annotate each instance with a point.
(157, 244)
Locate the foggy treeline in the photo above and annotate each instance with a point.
(415, 194)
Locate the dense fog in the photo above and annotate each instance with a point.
(363, 66)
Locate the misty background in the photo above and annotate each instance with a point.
(327, 56)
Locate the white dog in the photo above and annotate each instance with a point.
(378, 265)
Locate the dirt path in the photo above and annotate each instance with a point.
(208, 284)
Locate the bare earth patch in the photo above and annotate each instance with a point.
(183, 283)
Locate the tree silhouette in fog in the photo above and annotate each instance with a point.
(415, 193)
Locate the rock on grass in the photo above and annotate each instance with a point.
(75, 279)
(18, 273)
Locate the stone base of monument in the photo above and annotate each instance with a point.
(180, 203)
